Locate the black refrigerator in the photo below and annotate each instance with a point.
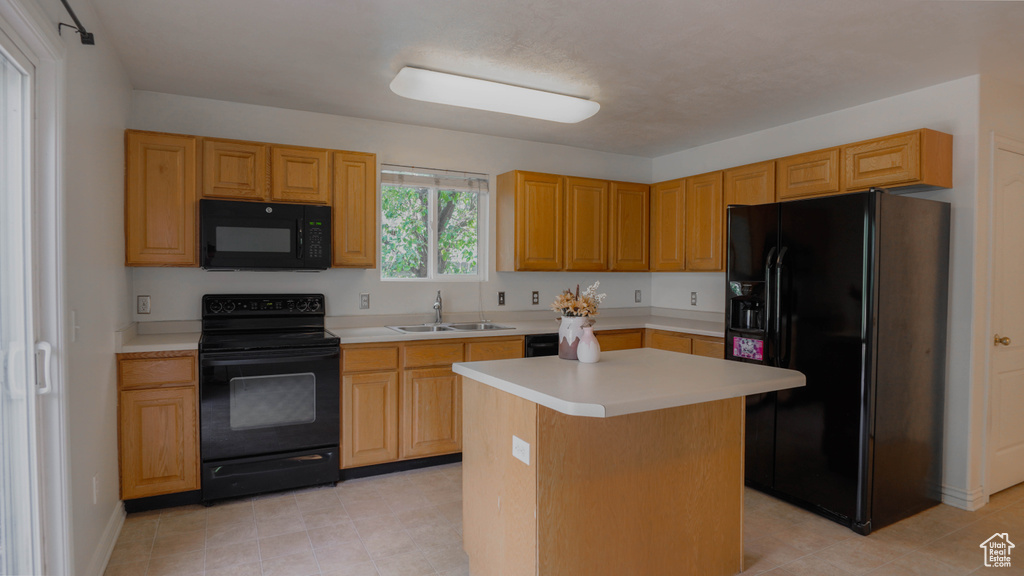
(850, 290)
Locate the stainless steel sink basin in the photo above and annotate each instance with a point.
(461, 326)
(478, 326)
(421, 328)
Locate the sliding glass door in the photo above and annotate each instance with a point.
(20, 546)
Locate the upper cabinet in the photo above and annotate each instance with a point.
(668, 226)
(629, 230)
(586, 219)
(300, 175)
(809, 174)
(752, 184)
(355, 210)
(705, 223)
(234, 170)
(160, 199)
(921, 159)
(530, 221)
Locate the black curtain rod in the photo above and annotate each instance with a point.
(87, 37)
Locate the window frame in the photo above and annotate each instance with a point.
(482, 245)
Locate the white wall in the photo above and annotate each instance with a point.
(176, 292)
(951, 107)
(97, 105)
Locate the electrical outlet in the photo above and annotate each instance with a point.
(535, 298)
(143, 306)
(364, 300)
(95, 489)
(521, 449)
(693, 298)
(501, 298)
(637, 297)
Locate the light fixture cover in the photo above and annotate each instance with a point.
(441, 88)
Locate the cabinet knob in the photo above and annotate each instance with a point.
(1005, 340)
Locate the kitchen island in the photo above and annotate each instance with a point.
(632, 465)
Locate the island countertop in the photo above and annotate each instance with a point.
(627, 381)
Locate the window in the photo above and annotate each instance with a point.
(430, 224)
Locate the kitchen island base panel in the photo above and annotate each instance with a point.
(654, 493)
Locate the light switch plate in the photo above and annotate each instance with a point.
(521, 449)
(501, 298)
(364, 300)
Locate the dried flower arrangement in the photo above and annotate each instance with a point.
(579, 305)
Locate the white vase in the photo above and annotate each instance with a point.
(589, 349)
(569, 331)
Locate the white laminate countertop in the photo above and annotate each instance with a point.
(627, 381)
(135, 338)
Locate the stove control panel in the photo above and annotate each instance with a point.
(257, 305)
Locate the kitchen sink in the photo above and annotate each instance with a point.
(460, 326)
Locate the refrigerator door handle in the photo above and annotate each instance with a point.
(768, 303)
(781, 356)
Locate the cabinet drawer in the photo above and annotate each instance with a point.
(494, 350)
(373, 358)
(156, 370)
(620, 339)
(810, 174)
(671, 341)
(709, 348)
(440, 354)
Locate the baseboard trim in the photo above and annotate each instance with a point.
(965, 500)
(105, 548)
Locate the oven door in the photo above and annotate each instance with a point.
(268, 401)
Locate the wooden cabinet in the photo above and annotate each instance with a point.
(494, 349)
(629, 227)
(158, 423)
(355, 210)
(530, 219)
(808, 175)
(160, 199)
(431, 412)
(369, 404)
(234, 170)
(300, 175)
(921, 159)
(620, 339)
(705, 223)
(712, 348)
(586, 224)
(668, 226)
(671, 341)
(750, 185)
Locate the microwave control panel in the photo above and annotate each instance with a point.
(318, 237)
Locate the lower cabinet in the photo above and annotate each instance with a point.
(620, 339)
(369, 418)
(431, 412)
(158, 423)
(709, 346)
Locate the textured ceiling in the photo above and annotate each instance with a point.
(669, 74)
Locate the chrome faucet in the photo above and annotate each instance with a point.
(437, 308)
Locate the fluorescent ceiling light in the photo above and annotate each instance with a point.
(441, 88)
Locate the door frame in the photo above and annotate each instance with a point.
(32, 30)
(997, 142)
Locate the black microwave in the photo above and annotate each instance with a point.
(235, 235)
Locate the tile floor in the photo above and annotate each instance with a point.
(410, 524)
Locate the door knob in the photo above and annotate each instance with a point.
(1005, 340)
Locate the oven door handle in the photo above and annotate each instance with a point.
(267, 356)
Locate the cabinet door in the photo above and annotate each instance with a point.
(668, 226)
(671, 341)
(160, 199)
(705, 223)
(709, 348)
(234, 170)
(369, 417)
(807, 175)
(750, 185)
(300, 175)
(620, 339)
(922, 159)
(159, 442)
(431, 412)
(629, 229)
(586, 224)
(539, 202)
(355, 210)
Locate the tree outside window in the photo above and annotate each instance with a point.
(430, 224)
